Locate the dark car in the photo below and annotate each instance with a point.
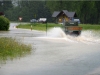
(33, 20)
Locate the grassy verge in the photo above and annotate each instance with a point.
(90, 27)
(10, 48)
(39, 26)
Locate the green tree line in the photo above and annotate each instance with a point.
(87, 11)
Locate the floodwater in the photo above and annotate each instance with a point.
(55, 54)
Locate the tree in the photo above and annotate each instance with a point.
(87, 11)
(4, 23)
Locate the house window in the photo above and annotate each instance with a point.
(60, 20)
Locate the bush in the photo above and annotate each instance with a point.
(11, 48)
(4, 23)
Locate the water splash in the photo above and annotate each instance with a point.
(88, 36)
(56, 32)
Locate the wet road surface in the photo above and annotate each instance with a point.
(54, 54)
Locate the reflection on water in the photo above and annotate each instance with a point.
(56, 54)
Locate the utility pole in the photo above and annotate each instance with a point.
(46, 27)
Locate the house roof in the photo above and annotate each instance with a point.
(65, 11)
(55, 13)
(69, 14)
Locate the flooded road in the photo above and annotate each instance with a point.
(55, 54)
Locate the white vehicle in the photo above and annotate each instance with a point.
(42, 20)
(77, 20)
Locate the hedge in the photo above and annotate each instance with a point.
(4, 23)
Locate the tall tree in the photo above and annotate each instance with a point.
(6, 5)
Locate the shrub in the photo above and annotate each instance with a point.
(11, 48)
(4, 23)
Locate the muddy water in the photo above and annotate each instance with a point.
(55, 54)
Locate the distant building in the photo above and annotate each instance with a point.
(64, 15)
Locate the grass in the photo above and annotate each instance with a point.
(90, 27)
(40, 26)
(10, 48)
